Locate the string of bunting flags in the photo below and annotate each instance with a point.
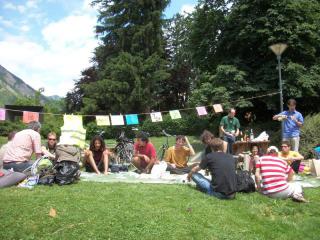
(129, 119)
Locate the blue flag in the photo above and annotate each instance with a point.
(132, 119)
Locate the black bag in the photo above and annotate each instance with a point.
(245, 183)
(67, 172)
(47, 179)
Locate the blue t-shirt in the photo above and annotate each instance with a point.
(291, 128)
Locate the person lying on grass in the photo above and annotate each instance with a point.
(96, 158)
(144, 153)
(221, 165)
(273, 176)
(177, 156)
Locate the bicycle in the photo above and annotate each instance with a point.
(164, 147)
(123, 150)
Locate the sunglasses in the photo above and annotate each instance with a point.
(53, 139)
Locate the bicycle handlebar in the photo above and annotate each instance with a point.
(166, 134)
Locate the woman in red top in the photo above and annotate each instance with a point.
(96, 157)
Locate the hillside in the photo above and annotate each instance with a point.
(12, 87)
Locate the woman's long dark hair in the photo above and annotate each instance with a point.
(99, 138)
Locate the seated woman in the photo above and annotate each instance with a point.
(96, 157)
(254, 157)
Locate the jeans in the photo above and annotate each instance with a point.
(230, 140)
(294, 142)
(17, 166)
(205, 186)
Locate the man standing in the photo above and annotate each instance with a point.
(222, 167)
(229, 126)
(144, 153)
(293, 158)
(273, 176)
(20, 149)
(177, 156)
(293, 121)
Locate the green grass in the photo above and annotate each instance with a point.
(142, 211)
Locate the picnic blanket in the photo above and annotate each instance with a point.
(132, 177)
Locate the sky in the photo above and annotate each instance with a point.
(47, 43)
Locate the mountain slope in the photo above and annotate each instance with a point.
(12, 87)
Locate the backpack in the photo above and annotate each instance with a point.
(245, 183)
(67, 172)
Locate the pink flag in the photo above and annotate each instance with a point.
(30, 116)
(2, 114)
(201, 111)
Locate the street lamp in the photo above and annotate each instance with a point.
(278, 49)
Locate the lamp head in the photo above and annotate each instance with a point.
(278, 48)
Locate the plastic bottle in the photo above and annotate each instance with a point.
(251, 135)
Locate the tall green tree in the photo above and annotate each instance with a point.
(130, 62)
(238, 33)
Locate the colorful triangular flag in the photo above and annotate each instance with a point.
(156, 117)
(175, 114)
(201, 111)
(103, 120)
(132, 119)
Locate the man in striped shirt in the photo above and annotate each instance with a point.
(273, 176)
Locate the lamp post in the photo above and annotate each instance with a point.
(278, 49)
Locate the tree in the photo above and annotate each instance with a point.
(130, 63)
(238, 33)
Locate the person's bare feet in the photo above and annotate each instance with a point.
(106, 173)
(98, 173)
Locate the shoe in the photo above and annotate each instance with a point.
(300, 199)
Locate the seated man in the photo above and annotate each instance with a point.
(50, 149)
(177, 156)
(4, 147)
(96, 157)
(19, 151)
(206, 137)
(222, 168)
(293, 158)
(144, 153)
(272, 177)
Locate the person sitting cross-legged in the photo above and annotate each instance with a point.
(49, 150)
(293, 158)
(97, 156)
(177, 156)
(145, 154)
(23, 145)
(273, 176)
(222, 168)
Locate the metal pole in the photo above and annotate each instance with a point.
(280, 87)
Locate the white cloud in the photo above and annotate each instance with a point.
(55, 65)
(6, 23)
(187, 9)
(9, 5)
(25, 28)
(21, 8)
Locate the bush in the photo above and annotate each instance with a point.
(7, 126)
(310, 136)
(51, 123)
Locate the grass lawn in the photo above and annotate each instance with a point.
(142, 211)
